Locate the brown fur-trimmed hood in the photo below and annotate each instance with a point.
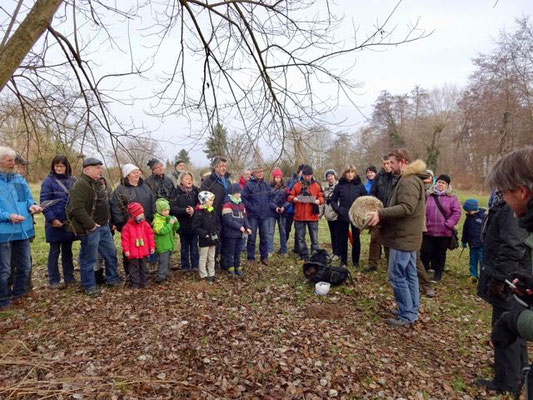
(417, 167)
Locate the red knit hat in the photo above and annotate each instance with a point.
(277, 172)
(135, 209)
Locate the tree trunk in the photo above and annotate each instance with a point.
(30, 30)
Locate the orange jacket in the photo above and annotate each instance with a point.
(306, 211)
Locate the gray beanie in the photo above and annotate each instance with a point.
(329, 172)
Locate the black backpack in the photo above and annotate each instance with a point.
(319, 269)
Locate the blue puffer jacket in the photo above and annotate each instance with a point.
(51, 190)
(257, 196)
(15, 198)
(472, 229)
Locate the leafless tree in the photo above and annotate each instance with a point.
(263, 64)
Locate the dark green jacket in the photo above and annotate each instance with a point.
(402, 219)
(88, 204)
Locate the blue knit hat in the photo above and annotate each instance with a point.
(234, 188)
(471, 205)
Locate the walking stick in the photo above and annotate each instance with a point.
(350, 237)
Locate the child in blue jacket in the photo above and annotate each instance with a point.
(234, 226)
(472, 228)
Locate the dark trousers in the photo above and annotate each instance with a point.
(190, 257)
(138, 272)
(232, 252)
(342, 235)
(65, 248)
(433, 254)
(332, 225)
(423, 278)
(288, 227)
(374, 249)
(509, 361)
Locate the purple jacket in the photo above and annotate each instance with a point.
(436, 224)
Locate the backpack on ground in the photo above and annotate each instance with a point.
(319, 269)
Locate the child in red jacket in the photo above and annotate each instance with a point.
(137, 243)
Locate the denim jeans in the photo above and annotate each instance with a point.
(281, 222)
(190, 256)
(476, 258)
(65, 248)
(98, 241)
(20, 249)
(312, 227)
(262, 225)
(404, 282)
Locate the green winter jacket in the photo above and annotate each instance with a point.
(164, 233)
(403, 217)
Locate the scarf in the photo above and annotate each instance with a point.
(234, 200)
(186, 189)
(208, 209)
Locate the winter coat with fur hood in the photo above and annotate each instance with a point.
(436, 223)
(403, 219)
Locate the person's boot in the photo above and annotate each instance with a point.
(370, 268)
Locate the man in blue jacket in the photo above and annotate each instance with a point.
(16, 227)
(256, 196)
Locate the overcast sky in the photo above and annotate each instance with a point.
(462, 29)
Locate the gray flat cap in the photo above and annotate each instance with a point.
(91, 161)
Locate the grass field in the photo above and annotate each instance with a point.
(267, 336)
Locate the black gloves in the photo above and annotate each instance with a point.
(505, 330)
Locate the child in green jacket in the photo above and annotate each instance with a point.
(164, 227)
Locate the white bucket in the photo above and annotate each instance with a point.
(322, 288)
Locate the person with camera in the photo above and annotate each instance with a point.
(512, 176)
(306, 195)
(206, 224)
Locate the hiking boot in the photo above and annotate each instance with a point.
(231, 271)
(397, 322)
(430, 293)
(473, 280)
(265, 262)
(489, 384)
(238, 272)
(114, 284)
(93, 292)
(57, 286)
(370, 268)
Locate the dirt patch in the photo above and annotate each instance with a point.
(324, 311)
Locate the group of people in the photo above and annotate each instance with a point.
(219, 220)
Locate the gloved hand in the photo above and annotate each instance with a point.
(497, 290)
(464, 245)
(525, 282)
(505, 330)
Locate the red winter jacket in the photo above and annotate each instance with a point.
(306, 211)
(137, 239)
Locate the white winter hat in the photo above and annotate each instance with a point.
(128, 169)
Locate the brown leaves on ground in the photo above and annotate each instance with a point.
(266, 336)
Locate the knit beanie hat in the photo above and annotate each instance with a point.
(445, 178)
(154, 162)
(162, 205)
(307, 170)
(128, 169)
(329, 172)
(471, 205)
(277, 172)
(234, 188)
(204, 196)
(372, 168)
(135, 209)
